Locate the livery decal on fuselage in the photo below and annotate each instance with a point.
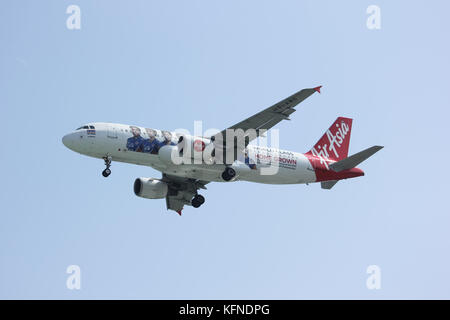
(267, 156)
(152, 144)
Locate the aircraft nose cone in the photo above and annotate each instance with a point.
(67, 140)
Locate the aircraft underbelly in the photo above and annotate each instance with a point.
(292, 174)
(294, 170)
(297, 172)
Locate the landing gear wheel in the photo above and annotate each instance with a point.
(228, 174)
(197, 201)
(106, 172)
(199, 198)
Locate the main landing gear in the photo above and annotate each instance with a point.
(197, 201)
(228, 174)
(107, 171)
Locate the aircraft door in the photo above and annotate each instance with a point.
(112, 132)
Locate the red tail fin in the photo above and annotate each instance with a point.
(334, 143)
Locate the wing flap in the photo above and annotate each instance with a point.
(174, 204)
(181, 191)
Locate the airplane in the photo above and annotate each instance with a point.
(327, 162)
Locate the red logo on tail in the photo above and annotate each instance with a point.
(334, 143)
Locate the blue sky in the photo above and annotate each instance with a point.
(166, 64)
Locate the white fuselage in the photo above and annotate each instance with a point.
(110, 140)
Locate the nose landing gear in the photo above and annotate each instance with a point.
(107, 171)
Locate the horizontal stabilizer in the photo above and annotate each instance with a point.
(328, 184)
(354, 160)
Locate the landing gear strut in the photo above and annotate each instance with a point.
(197, 201)
(107, 171)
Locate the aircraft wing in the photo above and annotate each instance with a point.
(269, 117)
(181, 191)
(264, 120)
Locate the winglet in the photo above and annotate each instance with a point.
(179, 212)
(317, 89)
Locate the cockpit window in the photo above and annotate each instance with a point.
(91, 127)
(83, 127)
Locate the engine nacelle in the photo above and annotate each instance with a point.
(198, 148)
(169, 155)
(150, 188)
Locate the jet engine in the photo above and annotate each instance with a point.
(150, 188)
(169, 155)
(196, 148)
